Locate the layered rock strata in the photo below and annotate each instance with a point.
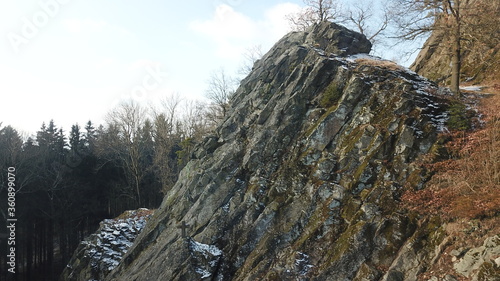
(302, 179)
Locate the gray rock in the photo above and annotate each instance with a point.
(458, 252)
(204, 258)
(450, 278)
(367, 273)
(303, 180)
(394, 276)
(336, 39)
(477, 257)
(101, 252)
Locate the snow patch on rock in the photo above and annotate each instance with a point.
(102, 251)
(205, 258)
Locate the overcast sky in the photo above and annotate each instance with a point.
(74, 60)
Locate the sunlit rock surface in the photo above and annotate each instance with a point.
(302, 179)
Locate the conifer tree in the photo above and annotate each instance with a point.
(10, 145)
(90, 136)
(75, 138)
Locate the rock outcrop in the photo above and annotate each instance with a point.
(481, 263)
(301, 181)
(101, 252)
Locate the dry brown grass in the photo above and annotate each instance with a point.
(135, 214)
(386, 64)
(465, 190)
(467, 186)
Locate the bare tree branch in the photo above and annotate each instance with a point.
(315, 12)
(220, 89)
(251, 55)
(128, 118)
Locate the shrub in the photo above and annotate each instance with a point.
(458, 117)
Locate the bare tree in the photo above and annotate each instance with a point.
(169, 111)
(482, 17)
(10, 145)
(195, 123)
(166, 136)
(359, 15)
(220, 89)
(251, 55)
(128, 119)
(415, 18)
(315, 12)
(480, 36)
(362, 16)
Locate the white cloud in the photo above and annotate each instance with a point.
(226, 24)
(228, 28)
(234, 32)
(79, 26)
(276, 20)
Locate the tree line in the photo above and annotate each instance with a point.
(66, 183)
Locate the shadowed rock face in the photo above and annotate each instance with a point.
(302, 179)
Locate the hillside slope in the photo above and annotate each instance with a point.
(480, 47)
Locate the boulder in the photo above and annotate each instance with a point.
(480, 263)
(101, 252)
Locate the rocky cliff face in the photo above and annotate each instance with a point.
(302, 179)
